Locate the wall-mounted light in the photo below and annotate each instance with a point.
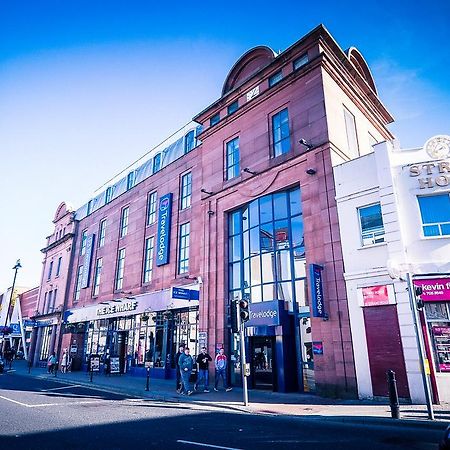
(311, 171)
(252, 172)
(206, 192)
(305, 143)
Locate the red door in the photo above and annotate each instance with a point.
(385, 349)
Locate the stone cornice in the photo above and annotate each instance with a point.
(55, 244)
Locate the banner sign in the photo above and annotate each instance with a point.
(164, 221)
(317, 290)
(185, 294)
(95, 363)
(15, 329)
(114, 364)
(375, 295)
(264, 313)
(87, 261)
(434, 289)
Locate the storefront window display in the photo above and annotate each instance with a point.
(438, 320)
(45, 345)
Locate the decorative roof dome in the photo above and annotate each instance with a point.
(358, 61)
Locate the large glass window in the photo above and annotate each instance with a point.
(435, 214)
(124, 221)
(97, 275)
(120, 269)
(78, 283)
(151, 208)
(45, 343)
(83, 242)
(109, 194)
(232, 159)
(266, 249)
(186, 191)
(157, 163)
(183, 253)
(58, 267)
(148, 259)
(189, 141)
(130, 180)
(102, 233)
(372, 228)
(280, 133)
(50, 269)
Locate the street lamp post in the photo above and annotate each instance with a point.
(16, 267)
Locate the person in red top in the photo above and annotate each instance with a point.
(220, 364)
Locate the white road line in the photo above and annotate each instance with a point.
(200, 444)
(14, 401)
(61, 404)
(61, 387)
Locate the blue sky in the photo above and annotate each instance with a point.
(86, 88)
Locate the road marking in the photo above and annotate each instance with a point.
(200, 444)
(61, 387)
(13, 401)
(51, 404)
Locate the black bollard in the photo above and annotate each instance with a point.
(147, 386)
(393, 395)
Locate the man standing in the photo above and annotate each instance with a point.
(186, 364)
(203, 375)
(221, 370)
(177, 365)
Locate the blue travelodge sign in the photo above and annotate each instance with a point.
(317, 290)
(87, 261)
(264, 314)
(164, 219)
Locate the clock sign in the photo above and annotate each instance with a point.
(253, 93)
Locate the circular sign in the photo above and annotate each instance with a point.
(164, 204)
(438, 147)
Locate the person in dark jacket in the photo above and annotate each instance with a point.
(186, 364)
(203, 373)
(177, 358)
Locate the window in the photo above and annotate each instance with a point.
(58, 266)
(275, 78)
(157, 163)
(300, 61)
(233, 107)
(435, 213)
(350, 127)
(280, 133)
(52, 301)
(78, 283)
(214, 119)
(124, 222)
(102, 233)
(50, 269)
(151, 208)
(183, 260)
(372, 228)
(83, 242)
(186, 190)
(97, 274)
(130, 180)
(89, 207)
(148, 259)
(232, 168)
(189, 141)
(109, 194)
(120, 269)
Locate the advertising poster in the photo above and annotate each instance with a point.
(115, 365)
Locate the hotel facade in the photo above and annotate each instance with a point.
(240, 203)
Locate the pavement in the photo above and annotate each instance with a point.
(260, 402)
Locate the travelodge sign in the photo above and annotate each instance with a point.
(164, 219)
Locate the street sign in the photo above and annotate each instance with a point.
(185, 294)
(115, 365)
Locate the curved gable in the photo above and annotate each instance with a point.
(61, 211)
(358, 61)
(247, 65)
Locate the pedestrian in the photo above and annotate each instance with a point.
(220, 364)
(64, 361)
(186, 364)
(177, 365)
(51, 363)
(203, 371)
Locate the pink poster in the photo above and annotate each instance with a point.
(434, 289)
(375, 295)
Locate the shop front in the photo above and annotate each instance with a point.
(130, 334)
(436, 318)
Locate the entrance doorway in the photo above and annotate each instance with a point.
(118, 347)
(263, 360)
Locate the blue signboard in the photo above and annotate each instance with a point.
(87, 261)
(317, 290)
(164, 219)
(15, 328)
(185, 294)
(264, 313)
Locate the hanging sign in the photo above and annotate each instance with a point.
(317, 290)
(87, 261)
(164, 221)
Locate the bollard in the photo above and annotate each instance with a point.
(147, 386)
(393, 395)
(29, 366)
(91, 373)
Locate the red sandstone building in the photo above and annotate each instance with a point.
(241, 203)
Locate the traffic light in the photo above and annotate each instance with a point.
(419, 302)
(244, 312)
(234, 316)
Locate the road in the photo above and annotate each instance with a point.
(47, 414)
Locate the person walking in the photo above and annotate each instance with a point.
(203, 360)
(64, 361)
(220, 364)
(177, 365)
(186, 364)
(51, 363)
